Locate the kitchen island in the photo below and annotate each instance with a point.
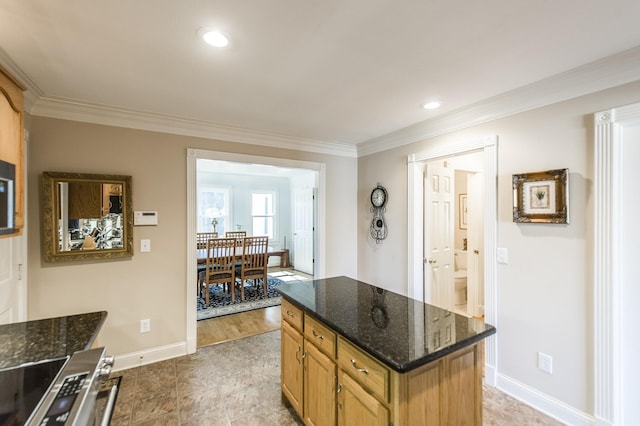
(51, 338)
(353, 353)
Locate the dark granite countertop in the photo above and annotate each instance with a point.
(401, 332)
(50, 338)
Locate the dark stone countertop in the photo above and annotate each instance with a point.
(401, 332)
(50, 338)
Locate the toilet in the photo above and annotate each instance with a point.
(460, 276)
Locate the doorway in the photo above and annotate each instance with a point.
(454, 233)
(319, 244)
(417, 257)
(259, 199)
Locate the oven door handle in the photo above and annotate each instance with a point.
(108, 409)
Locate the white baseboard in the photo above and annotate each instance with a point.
(543, 402)
(490, 375)
(148, 356)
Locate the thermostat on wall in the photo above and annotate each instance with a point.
(145, 218)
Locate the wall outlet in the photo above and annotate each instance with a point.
(145, 326)
(545, 362)
(145, 246)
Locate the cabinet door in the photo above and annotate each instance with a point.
(291, 366)
(356, 407)
(12, 138)
(319, 387)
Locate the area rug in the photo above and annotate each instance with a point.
(220, 301)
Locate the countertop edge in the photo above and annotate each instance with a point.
(400, 368)
(25, 344)
(93, 337)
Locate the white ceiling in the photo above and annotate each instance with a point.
(341, 72)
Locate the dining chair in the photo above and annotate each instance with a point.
(253, 264)
(201, 243)
(203, 237)
(219, 266)
(239, 236)
(235, 234)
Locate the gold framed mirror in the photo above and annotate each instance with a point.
(86, 216)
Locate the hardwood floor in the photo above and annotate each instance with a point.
(237, 326)
(244, 324)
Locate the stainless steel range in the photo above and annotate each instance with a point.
(56, 392)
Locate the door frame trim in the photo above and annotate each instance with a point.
(415, 230)
(607, 286)
(319, 236)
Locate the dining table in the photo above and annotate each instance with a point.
(271, 251)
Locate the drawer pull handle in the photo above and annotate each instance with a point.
(316, 335)
(361, 370)
(291, 314)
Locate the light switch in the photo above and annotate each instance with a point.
(502, 256)
(145, 246)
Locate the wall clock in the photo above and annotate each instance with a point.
(378, 227)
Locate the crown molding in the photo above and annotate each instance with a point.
(100, 114)
(32, 92)
(599, 75)
(38, 104)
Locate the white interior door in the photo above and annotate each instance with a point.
(12, 300)
(439, 210)
(303, 220)
(475, 246)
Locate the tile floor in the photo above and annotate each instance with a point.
(238, 383)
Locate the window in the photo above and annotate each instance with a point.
(263, 213)
(213, 203)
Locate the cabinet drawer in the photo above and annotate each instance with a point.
(291, 314)
(372, 375)
(321, 336)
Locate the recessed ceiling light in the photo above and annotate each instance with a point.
(213, 37)
(431, 105)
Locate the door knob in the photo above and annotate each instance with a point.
(476, 252)
(432, 261)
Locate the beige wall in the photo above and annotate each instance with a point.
(545, 293)
(150, 285)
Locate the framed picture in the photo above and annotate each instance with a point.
(541, 197)
(462, 211)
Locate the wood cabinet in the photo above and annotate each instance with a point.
(446, 391)
(308, 367)
(358, 407)
(319, 387)
(372, 375)
(12, 139)
(291, 366)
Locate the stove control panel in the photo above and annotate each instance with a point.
(59, 410)
(71, 398)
